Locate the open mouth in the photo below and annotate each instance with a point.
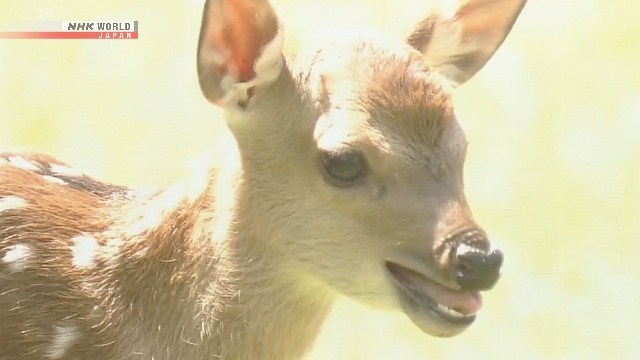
(422, 296)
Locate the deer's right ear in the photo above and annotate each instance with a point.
(239, 50)
(460, 38)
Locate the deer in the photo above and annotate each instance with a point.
(339, 173)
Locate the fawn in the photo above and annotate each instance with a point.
(343, 174)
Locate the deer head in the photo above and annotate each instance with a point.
(352, 157)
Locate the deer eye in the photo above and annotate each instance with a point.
(344, 168)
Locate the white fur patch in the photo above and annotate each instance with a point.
(63, 339)
(12, 203)
(54, 180)
(84, 250)
(65, 170)
(19, 161)
(16, 257)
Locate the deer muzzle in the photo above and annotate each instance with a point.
(476, 266)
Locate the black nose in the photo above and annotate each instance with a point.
(476, 268)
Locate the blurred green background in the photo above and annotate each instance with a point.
(552, 172)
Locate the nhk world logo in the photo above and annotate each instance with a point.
(105, 30)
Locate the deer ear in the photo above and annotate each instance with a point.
(240, 49)
(459, 41)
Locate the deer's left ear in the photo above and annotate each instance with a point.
(459, 42)
(240, 48)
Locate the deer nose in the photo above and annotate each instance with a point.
(476, 267)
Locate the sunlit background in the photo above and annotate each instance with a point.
(553, 169)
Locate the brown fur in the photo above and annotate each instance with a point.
(113, 301)
(242, 259)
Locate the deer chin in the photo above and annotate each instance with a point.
(434, 308)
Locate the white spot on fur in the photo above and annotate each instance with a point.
(19, 161)
(65, 170)
(16, 257)
(54, 180)
(84, 250)
(12, 202)
(63, 339)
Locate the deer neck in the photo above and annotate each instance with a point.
(260, 299)
(246, 301)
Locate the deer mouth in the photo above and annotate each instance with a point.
(433, 307)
